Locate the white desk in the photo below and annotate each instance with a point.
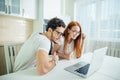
(110, 70)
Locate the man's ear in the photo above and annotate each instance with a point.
(50, 30)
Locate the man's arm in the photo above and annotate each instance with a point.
(43, 62)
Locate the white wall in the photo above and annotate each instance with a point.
(66, 12)
(38, 23)
(69, 8)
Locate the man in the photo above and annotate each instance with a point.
(35, 50)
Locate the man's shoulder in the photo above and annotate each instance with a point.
(38, 35)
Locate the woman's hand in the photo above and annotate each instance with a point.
(83, 36)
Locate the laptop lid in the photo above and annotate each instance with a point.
(97, 60)
(95, 64)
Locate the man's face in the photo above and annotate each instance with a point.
(57, 34)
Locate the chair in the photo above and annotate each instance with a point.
(11, 50)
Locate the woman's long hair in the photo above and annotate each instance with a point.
(77, 41)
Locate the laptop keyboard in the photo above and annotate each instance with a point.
(83, 70)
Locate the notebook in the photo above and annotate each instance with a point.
(85, 69)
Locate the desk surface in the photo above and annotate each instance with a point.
(110, 70)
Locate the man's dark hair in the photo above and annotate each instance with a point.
(54, 23)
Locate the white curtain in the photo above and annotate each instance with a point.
(100, 21)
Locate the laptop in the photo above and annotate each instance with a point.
(85, 69)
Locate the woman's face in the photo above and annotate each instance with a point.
(74, 32)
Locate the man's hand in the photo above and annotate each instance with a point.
(55, 57)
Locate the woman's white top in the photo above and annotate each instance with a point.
(27, 55)
(70, 47)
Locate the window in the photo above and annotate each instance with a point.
(100, 19)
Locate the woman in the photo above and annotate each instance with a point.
(72, 43)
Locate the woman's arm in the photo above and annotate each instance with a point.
(61, 55)
(65, 55)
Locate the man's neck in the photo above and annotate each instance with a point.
(47, 34)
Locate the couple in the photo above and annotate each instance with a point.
(35, 51)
